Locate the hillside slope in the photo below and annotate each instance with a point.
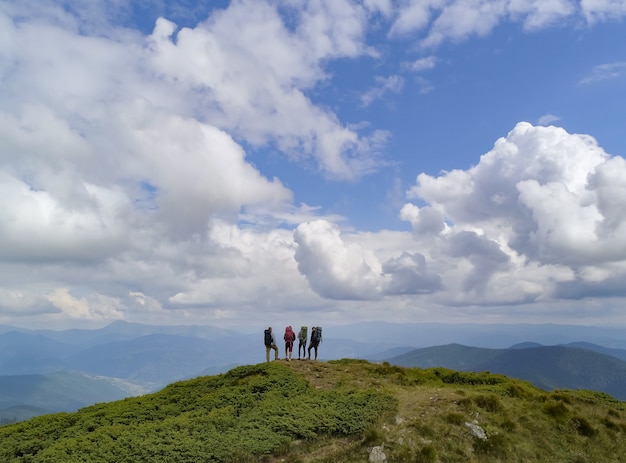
(547, 367)
(554, 367)
(339, 411)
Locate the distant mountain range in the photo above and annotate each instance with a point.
(572, 366)
(25, 396)
(45, 370)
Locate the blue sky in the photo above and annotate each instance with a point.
(234, 163)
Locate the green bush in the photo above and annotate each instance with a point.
(455, 418)
(372, 436)
(489, 402)
(556, 409)
(495, 445)
(427, 454)
(583, 427)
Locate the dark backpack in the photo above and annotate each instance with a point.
(268, 338)
(317, 334)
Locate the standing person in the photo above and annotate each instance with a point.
(289, 338)
(270, 343)
(302, 341)
(315, 342)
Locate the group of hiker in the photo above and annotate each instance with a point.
(289, 338)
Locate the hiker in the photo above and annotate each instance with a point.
(289, 338)
(315, 341)
(302, 341)
(270, 343)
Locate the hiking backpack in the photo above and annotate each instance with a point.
(302, 335)
(317, 334)
(289, 336)
(268, 338)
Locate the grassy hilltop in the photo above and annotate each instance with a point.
(332, 412)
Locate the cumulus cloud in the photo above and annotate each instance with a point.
(343, 266)
(335, 269)
(102, 165)
(408, 274)
(117, 151)
(253, 82)
(484, 254)
(541, 199)
(92, 307)
(129, 190)
(252, 269)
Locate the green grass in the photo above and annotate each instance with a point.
(331, 412)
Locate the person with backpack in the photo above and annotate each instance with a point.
(316, 338)
(302, 341)
(289, 338)
(270, 343)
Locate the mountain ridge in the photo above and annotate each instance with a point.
(547, 367)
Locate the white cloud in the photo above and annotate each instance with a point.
(103, 166)
(252, 269)
(461, 19)
(542, 200)
(333, 268)
(414, 15)
(408, 274)
(391, 84)
(422, 64)
(439, 21)
(359, 266)
(253, 82)
(93, 307)
(128, 193)
(605, 72)
(603, 10)
(385, 7)
(537, 14)
(548, 119)
(24, 303)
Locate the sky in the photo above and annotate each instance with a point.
(312, 162)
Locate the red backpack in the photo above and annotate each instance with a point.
(290, 336)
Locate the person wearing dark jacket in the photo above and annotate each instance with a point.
(314, 343)
(270, 343)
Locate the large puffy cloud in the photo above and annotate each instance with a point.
(341, 266)
(408, 274)
(541, 202)
(127, 192)
(111, 182)
(253, 82)
(333, 268)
